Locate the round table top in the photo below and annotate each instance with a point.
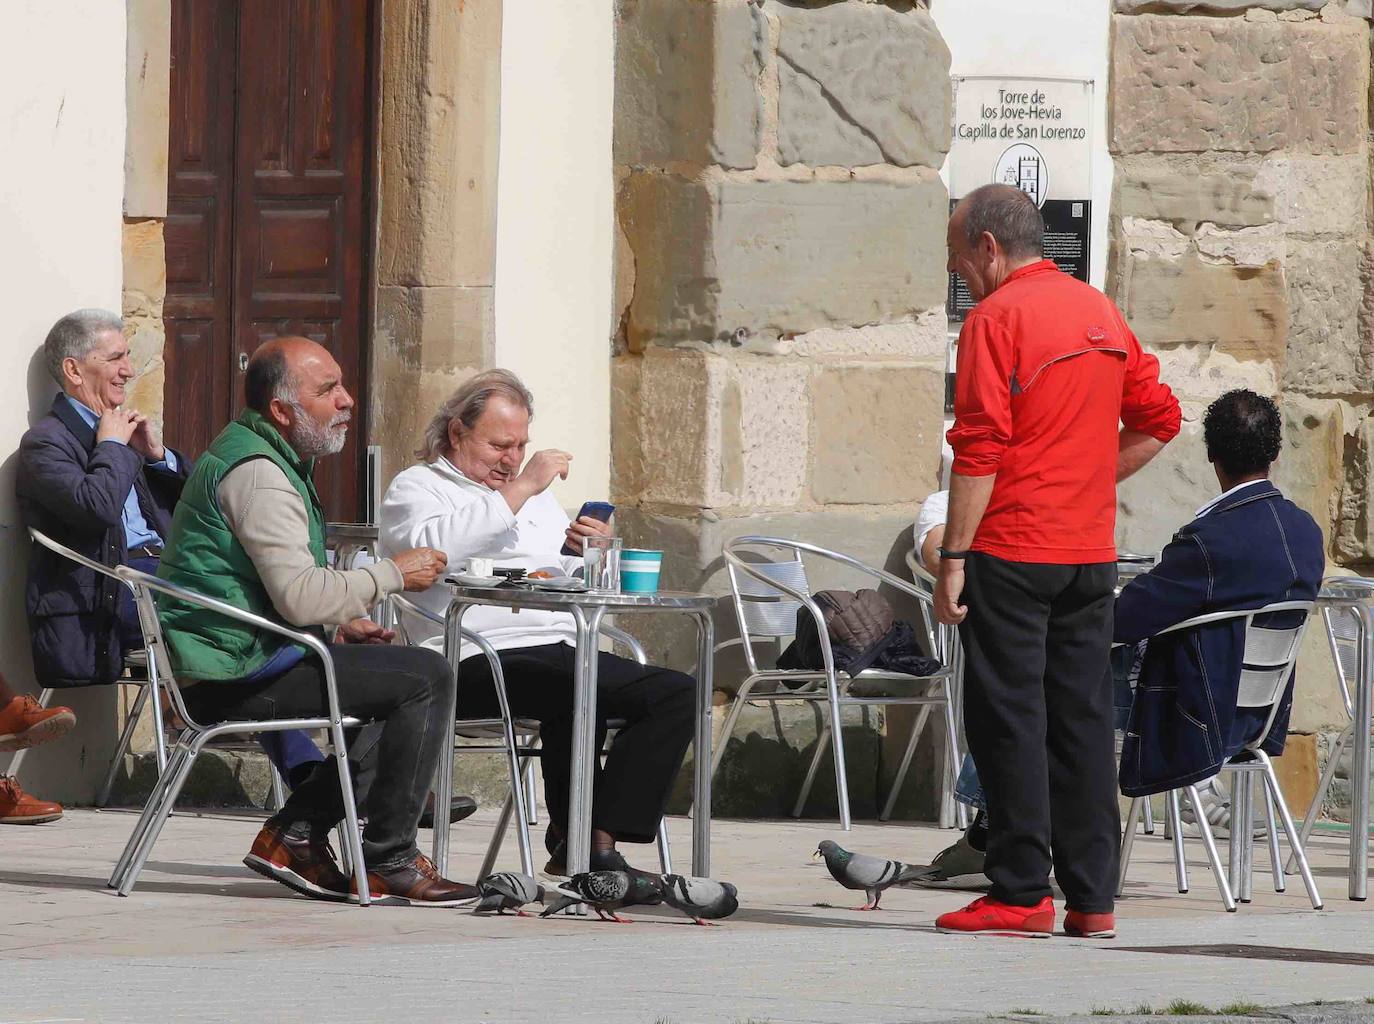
(553, 600)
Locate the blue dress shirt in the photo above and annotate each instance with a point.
(137, 532)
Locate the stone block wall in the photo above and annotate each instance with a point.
(436, 233)
(1241, 257)
(778, 360)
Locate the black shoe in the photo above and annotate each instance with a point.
(459, 808)
(600, 860)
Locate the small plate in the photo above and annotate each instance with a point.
(560, 584)
(464, 580)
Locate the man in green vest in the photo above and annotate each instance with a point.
(250, 531)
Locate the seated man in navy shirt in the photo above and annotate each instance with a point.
(95, 476)
(1245, 549)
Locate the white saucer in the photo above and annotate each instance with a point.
(464, 580)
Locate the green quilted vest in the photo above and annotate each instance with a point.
(203, 555)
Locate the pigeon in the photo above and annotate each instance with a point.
(606, 892)
(700, 898)
(860, 871)
(507, 890)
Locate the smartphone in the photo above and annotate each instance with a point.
(598, 510)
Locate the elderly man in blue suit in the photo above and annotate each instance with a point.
(1247, 548)
(95, 476)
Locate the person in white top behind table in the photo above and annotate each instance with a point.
(474, 495)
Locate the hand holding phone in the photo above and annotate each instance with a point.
(601, 511)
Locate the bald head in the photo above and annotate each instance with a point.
(298, 387)
(994, 231)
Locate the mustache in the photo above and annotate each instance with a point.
(341, 420)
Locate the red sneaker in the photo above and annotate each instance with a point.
(992, 918)
(1089, 926)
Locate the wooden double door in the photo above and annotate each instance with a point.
(269, 207)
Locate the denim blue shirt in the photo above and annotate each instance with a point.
(137, 532)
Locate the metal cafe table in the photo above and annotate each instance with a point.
(1357, 602)
(587, 610)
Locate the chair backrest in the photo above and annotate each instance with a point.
(765, 612)
(1342, 636)
(1270, 653)
(940, 637)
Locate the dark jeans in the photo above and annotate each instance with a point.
(1038, 714)
(656, 705)
(407, 689)
(290, 752)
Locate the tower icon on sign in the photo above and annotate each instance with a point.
(1023, 167)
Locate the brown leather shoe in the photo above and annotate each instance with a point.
(26, 723)
(417, 884)
(18, 808)
(306, 865)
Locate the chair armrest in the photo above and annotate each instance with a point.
(1240, 613)
(619, 636)
(144, 585)
(882, 575)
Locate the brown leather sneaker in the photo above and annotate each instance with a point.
(417, 884)
(305, 865)
(26, 723)
(18, 808)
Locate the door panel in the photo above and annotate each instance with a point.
(274, 238)
(200, 373)
(299, 199)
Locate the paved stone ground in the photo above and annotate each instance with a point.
(202, 938)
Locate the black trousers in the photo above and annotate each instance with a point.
(1038, 715)
(406, 689)
(631, 792)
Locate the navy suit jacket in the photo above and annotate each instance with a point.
(1254, 548)
(73, 490)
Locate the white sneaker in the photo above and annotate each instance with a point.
(1216, 805)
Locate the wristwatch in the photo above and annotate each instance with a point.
(946, 553)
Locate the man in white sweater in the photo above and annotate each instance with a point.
(474, 495)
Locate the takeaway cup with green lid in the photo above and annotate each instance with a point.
(639, 571)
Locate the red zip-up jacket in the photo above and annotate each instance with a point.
(1048, 372)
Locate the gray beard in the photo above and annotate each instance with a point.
(312, 439)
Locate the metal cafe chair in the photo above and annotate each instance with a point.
(767, 596)
(1270, 653)
(139, 670)
(1342, 633)
(194, 736)
(520, 740)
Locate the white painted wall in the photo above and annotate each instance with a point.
(1062, 39)
(61, 195)
(555, 216)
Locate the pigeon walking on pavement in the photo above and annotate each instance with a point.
(606, 892)
(507, 890)
(702, 899)
(861, 871)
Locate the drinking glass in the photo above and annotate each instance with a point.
(601, 564)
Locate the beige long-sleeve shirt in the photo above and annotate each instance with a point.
(269, 519)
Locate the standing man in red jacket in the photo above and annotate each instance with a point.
(1054, 403)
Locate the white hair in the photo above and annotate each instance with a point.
(75, 335)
